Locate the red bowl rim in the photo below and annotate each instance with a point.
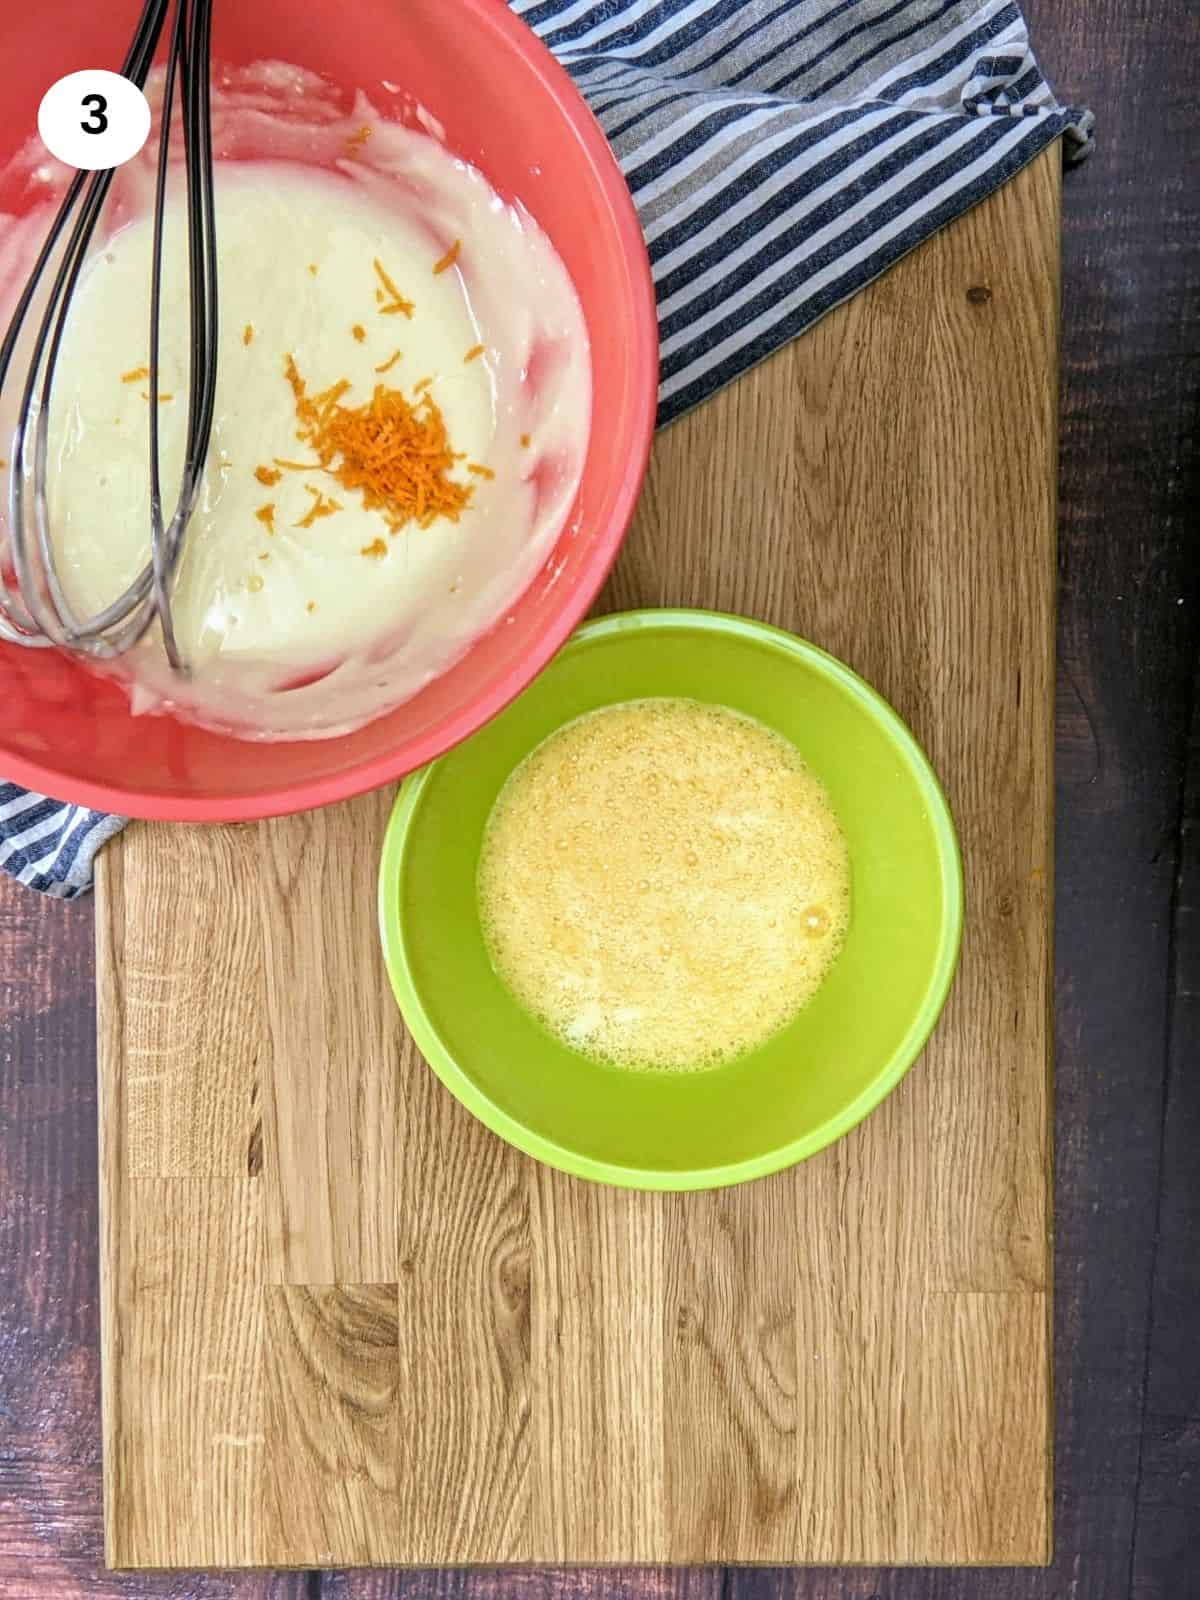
(381, 770)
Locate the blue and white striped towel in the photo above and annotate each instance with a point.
(782, 153)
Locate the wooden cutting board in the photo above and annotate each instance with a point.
(344, 1324)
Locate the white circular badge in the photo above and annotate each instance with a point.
(94, 119)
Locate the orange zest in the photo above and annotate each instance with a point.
(525, 441)
(323, 506)
(361, 137)
(389, 298)
(392, 450)
(268, 476)
(473, 352)
(449, 258)
(386, 366)
(359, 332)
(480, 472)
(375, 549)
(266, 515)
(135, 375)
(247, 333)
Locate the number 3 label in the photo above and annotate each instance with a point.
(97, 122)
(94, 119)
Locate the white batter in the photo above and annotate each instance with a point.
(263, 604)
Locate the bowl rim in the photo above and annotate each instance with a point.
(379, 770)
(440, 1059)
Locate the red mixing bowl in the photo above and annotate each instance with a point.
(508, 108)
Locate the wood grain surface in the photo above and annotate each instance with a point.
(345, 1326)
(1127, 1273)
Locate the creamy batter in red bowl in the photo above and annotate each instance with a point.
(472, 69)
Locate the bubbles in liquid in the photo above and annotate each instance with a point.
(664, 884)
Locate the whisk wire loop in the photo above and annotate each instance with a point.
(39, 612)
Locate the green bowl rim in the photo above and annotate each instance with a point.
(439, 1057)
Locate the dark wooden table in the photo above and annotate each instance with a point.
(1128, 974)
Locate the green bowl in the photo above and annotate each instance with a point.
(808, 1084)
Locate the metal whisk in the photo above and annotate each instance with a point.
(42, 614)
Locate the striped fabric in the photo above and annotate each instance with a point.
(48, 844)
(782, 153)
